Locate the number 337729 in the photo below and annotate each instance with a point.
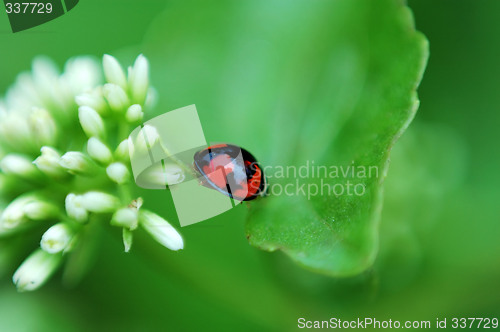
(28, 7)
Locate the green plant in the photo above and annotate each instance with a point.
(82, 175)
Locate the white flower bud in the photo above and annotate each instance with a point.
(139, 79)
(81, 73)
(21, 166)
(151, 98)
(48, 163)
(99, 202)
(118, 173)
(77, 163)
(11, 220)
(93, 99)
(121, 152)
(56, 238)
(126, 217)
(15, 131)
(114, 72)
(160, 230)
(99, 151)
(75, 209)
(36, 270)
(116, 97)
(13, 215)
(91, 122)
(134, 113)
(52, 88)
(174, 174)
(40, 210)
(42, 126)
(46, 76)
(24, 94)
(147, 134)
(127, 239)
(169, 175)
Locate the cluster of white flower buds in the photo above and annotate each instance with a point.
(64, 159)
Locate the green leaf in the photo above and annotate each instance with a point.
(363, 100)
(326, 81)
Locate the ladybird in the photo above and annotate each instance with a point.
(241, 178)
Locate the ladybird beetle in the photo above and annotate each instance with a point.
(241, 178)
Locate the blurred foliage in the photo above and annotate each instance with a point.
(440, 224)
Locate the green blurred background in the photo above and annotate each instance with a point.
(440, 230)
